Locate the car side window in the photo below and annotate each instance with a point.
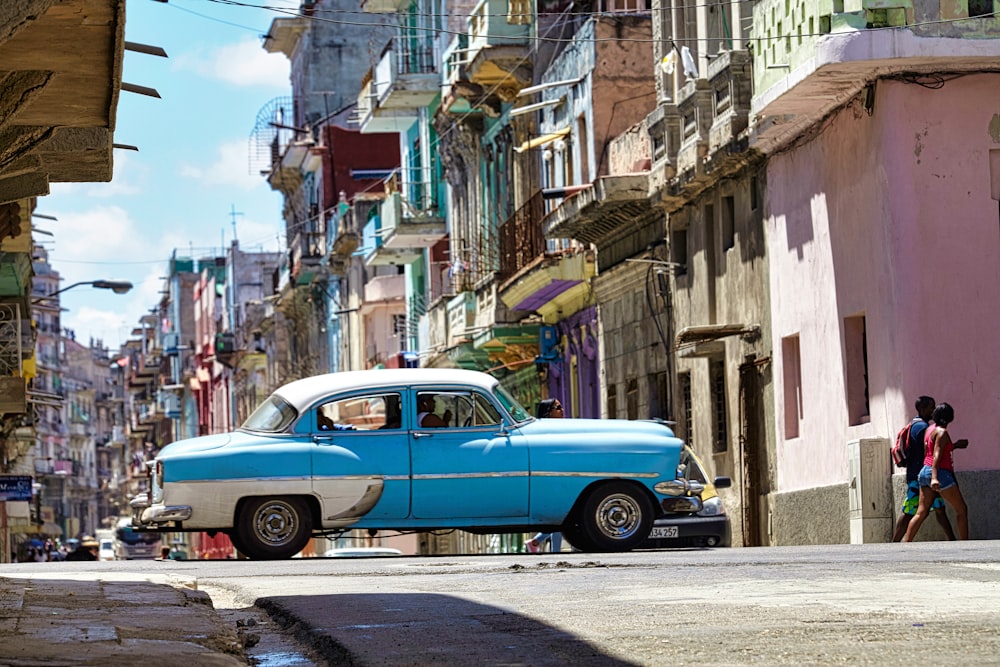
(455, 409)
(368, 412)
(486, 413)
(435, 410)
(691, 470)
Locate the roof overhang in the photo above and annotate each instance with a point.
(62, 65)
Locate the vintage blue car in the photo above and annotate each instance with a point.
(415, 450)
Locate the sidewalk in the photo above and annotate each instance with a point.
(109, 620)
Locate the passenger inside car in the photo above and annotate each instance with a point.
(425, 413)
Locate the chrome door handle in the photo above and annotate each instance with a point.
(422, 435)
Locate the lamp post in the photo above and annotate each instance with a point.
(116, 286)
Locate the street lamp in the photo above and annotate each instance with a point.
(116, 286)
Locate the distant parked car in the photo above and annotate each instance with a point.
(708, 527)
(411, 450)
(106, 549)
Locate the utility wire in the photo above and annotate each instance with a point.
(557, 40)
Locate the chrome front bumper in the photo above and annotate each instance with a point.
(144, 514)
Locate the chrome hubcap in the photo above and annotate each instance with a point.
(276, 523)
(619, 516)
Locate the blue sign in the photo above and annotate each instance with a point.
(15, 487)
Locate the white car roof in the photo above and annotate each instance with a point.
(307, 391)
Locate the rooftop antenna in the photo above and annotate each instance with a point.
(232, 214)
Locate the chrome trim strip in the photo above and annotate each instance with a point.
(457, 475)
(470, 475)
(544, 473)
(307, 478)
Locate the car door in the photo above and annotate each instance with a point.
(360, 457)
(470, 467)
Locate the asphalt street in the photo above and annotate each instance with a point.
(930, 603)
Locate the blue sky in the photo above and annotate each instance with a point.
(192, 169)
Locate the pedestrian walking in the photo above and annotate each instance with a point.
(938, 474)
(914, 463)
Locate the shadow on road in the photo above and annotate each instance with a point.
(427, 629)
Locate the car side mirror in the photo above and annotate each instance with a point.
(722, 482)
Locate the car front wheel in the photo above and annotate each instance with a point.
(616, 516)
(273, 528)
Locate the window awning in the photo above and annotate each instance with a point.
(542, 140)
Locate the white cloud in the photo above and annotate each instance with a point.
(102, 233)
(243, 64)
(231, 167)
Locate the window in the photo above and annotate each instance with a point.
(792, 376)
(272, 416)
(856, 369)
(517, 412)
(679, 250)
(612, 401)
(659, 394)
(684, 384)
(632, 399)
(456, 409)
(728, 223)
(717, 387)
(484, 413)
(980, 7)
(361, 413)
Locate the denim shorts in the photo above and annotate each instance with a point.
(945, 477)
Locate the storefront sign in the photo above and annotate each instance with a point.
(15, 487)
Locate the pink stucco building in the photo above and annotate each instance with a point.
(883, 231)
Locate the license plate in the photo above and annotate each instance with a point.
(663, 532)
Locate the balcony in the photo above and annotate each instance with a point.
(404, 80)
(695, 111)
(615, 215)
(149, 366)
(383, 290)
(731, 84)
(384, 6)
(798, 81)
(499, 47)
(555, 285)
(401, 233)
(15, 274)
(306, 255)
(16, 342)
(346, 231)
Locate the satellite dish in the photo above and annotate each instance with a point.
(690, 67)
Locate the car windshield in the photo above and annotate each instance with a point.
(518, 413)
(272, 416)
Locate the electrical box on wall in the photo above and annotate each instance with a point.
(548, 339)
(869, 489)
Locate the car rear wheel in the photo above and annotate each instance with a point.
(573, 533)
(616, 516)
(273, 528)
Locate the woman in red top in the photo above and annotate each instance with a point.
(938, 474)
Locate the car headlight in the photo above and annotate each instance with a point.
(712, 507)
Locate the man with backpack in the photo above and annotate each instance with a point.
(914, 461)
